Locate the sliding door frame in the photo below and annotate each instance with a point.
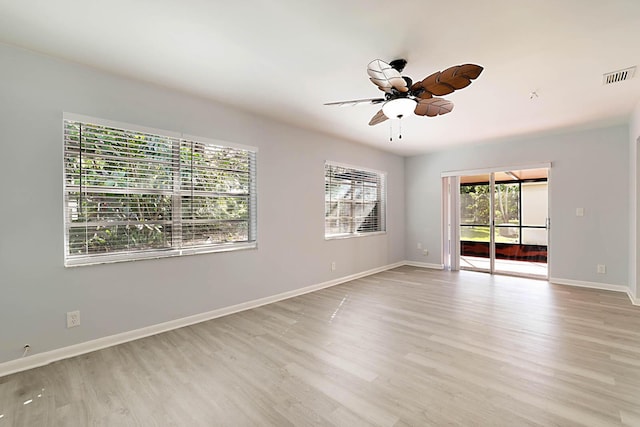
(451, 213)
(451, 222)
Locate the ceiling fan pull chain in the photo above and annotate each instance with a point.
(400, 128)
(390, 130)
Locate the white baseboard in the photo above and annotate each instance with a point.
(596, 285)
(592, 285)
(41, 359)
(424, 265)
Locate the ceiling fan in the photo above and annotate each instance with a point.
(402, 96)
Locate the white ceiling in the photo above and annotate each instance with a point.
(285, 58)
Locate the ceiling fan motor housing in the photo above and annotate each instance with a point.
(398, 64)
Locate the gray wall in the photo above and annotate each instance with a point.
(590, 169)
(36, 290)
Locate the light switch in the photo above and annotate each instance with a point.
(579, 211)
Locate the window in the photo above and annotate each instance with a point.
(520, 212)
(133, 194)
(355, 201)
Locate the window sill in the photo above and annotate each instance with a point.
(167, 253)
(352, 235)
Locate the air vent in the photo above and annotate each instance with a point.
(618, 76)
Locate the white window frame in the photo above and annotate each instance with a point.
(381, 200)
(176, 248)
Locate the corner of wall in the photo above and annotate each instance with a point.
(634, 185)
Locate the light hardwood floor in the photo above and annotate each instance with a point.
(406, 347)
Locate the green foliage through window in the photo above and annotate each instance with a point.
(132, 192)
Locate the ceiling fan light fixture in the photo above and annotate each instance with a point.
(399, 107)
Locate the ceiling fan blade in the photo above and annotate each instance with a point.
(419, 92)
(471, 71)
(453, 78)
(386, 77)
(447, 81)
(378, 118)
(433, 107)
(357, 101)
(435, 86)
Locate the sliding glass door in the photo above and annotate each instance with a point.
(503, 222)
(475, 222)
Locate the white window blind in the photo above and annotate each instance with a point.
(131, 195)
(355, 201)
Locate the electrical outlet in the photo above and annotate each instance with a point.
(602, 269)
(333, 266)
(425, 252)
(73, 319)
